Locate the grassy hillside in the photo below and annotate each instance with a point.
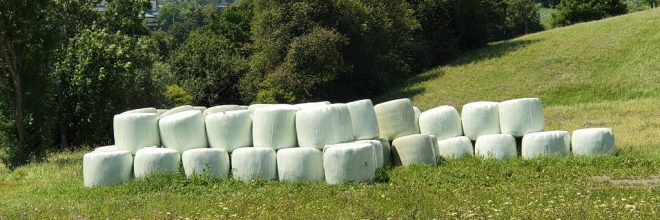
(598, 74)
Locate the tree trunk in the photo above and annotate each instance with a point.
(18, 96)
(64, 141)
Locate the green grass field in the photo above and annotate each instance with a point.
(598, 74)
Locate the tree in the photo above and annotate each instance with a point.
(522, 17)
(25, 44)
(126, 16)
(106, 73)
(575, 11)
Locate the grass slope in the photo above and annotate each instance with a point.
(601, 73)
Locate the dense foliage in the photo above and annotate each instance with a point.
(66, 68)
(576, 11)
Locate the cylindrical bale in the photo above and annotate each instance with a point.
(133, 131)
(221, 108)
(378, 152)
(229, 130)
(545, 143)
(413, 149)
(418, 112)
(199, 108)
(496, 146)
(480, 118)
(258, 106)
(519, 117)
(274, 127)
(151, 160)
(593, 141)
(311, 105)
(161, 111)
(142, 110)
(254, 163)
(443, 122)
(106, 148)
(300, 164)
(213, 162)
(183, 131)
(349, 162)
(363, 119)
(455, 147)
(175, 110)
(107, 167)
(324, 125)
(396, 118)
(387, 152)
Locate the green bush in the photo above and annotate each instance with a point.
(176, 96)
(576, 11)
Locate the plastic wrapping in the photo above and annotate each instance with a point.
(106, 167)
(152, 160)
(519, 117)
(387, 152)
(593, 141)
(106, 148)
(311, 105)
(395, 118)
(258, 106)
(274, 127)
(183, 131)
(161, 111)
(229, 130)
(455, 147)
(545, 143)
(300, 164)
(363, 119)
(142, 110)
(349, 162)
(418, 112)
(199, 108)
(175, 110)
(213, 162)
(496, 146)
(254, 163)
(413, 149)
(221, 108)
(133, 131)
(378, 152)
(480, 118)
(324, 125)
(443, 122)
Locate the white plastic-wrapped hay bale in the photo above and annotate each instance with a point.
(254, 163)
(519, 117)
(363, 119)
(593, 141)
(229, 130)
(378, 152)
(443, 122)
(434, 146)
(311, 105)
(258, 106)
(175, 110)
(300, 164)
(161, 111)
(413, 149)
(387, 152)
(455, 147)
(106, 167)
(152, 160)
(418, 112)
(199, 108)
(545, 143)
(106, 148)
(244, 107)
(324, 125)
(183, 131)
(480, 118)
(133, 131)
(349, 162)
(274, 127)
(496, 146)
(142, 110)
(213, 162)
(221, 108)
(395, 118)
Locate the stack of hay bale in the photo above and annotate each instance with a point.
(320, 141)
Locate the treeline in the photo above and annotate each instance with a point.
(67, 69)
